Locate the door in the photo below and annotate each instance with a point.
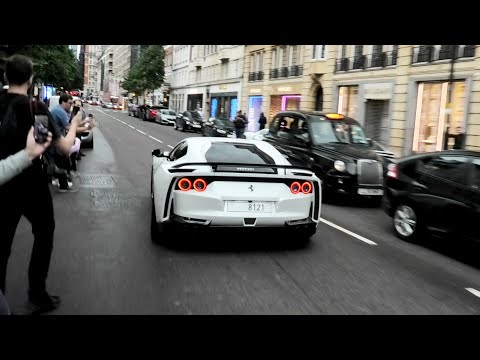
(442, 192)
(376, 121)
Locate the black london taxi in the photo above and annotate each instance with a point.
(334, 147)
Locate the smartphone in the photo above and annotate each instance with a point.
(40, 129)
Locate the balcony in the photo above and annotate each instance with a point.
(286, 71)
(430, 53)
(255, 76)
(364, 62)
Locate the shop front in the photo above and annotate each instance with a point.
(285, 97)
(438, 121)
(224, 100)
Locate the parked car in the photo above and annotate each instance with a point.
(189, 120)
(436, 193)
(151, 112)
(210, 183)
(259, 135)
(166, 117)
(218, 127)
(334, 147)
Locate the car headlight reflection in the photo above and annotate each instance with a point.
(340, 166)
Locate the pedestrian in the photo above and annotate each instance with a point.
(459, 138)
(240, 123)
(11, 167)
(262, 121)
(28, 193)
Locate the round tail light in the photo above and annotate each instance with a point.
(200, 185)
(306, 187)
(185, 184)
(295, 188)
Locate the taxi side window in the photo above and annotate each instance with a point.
(285, 127)
(275, 125)
(299, 130)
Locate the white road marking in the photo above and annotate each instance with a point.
(141, 132)
(151, 137)
(359, 237)
(170, 146)
(473, 291)
(131, 126)
(123, 122)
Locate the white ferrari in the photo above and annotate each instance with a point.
(210, 182)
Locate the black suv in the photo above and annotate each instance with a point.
(334, 147)
(436, 192)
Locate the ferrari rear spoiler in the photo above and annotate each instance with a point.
(243, 167)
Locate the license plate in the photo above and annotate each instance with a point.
(370, 191)
(252, 207)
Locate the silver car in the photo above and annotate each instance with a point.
(166, 117)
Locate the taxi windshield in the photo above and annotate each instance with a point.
(336, 132)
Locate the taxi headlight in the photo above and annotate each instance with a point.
(339, 166)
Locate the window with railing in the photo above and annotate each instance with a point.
(285, 62)
(430, 53)
(256, 66)
(319, 52)
(379, 56)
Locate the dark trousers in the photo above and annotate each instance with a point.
(239, 132)
(32, 199)
(261, 127)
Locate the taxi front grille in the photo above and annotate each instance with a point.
(370, 172)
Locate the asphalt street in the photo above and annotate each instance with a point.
(105, 263)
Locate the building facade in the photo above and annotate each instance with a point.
(410, 98)
(273, 80)
(207, 77)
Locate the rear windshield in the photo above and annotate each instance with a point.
(237, 153)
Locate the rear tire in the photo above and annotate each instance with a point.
(158, 232)
(406, 223)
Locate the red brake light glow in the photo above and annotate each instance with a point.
(200, 185)
(295, 188)
(185, 184)
(392, 171)
(306, 187)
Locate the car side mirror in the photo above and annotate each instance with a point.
(370, 142)
(158, 153)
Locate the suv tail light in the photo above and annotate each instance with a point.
(392, 171)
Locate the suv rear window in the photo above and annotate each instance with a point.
(237, 153)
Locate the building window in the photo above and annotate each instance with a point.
(347, 100)
(434, 127)
(319, 52)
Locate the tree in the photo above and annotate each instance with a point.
(53, 64)
(148, 74)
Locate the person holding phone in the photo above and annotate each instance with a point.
(15, 164)
(28, 193)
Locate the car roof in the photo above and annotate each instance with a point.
(308, 113)
(442, 152)
(197, 147)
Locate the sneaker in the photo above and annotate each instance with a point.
(44, 302)
(55, 182)
(74, 173)
(68, 189)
